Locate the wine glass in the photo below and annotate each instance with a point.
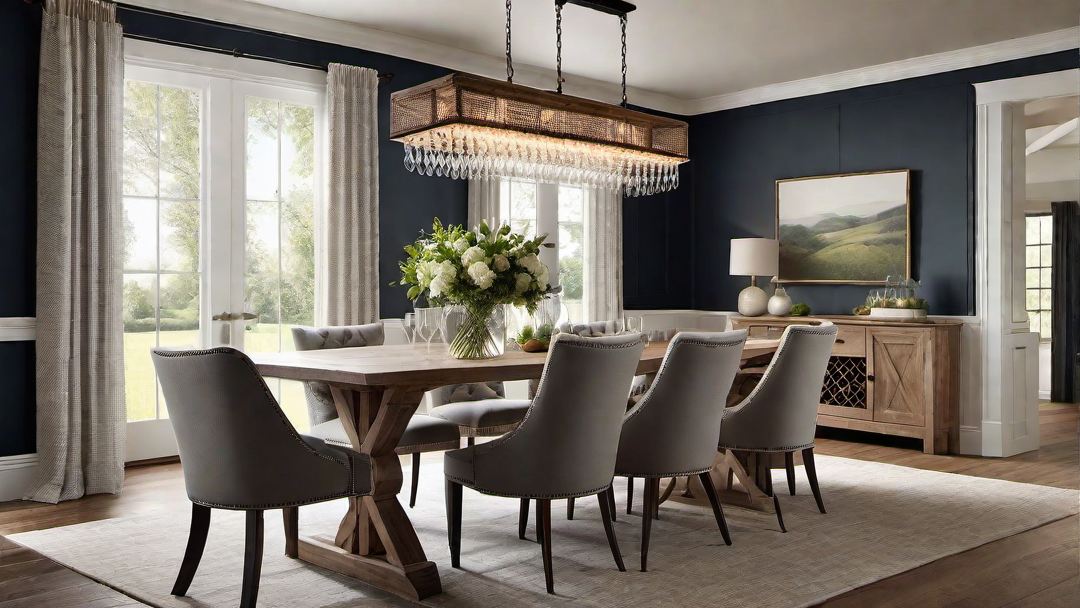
(408, 324)
(425, 325)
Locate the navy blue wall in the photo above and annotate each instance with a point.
(923, 124)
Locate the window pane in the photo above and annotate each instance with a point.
(1032, 256)
(140, 234)
(1032, 299)
(1032, 277)
(180, 236)
(180, 154)
(140, 323)
(280, 242)
(1046, 228)
(1046, 277)
(1045, 299)
(162, 161)
(1032, 224)
(140, 138)
(1046, 331)
(262, 149)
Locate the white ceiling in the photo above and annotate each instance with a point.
(693, 49)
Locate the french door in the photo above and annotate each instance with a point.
(222, 193)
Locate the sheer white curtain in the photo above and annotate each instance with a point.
(484, 201)
(603, 254)
(80, 351)
(352, 204)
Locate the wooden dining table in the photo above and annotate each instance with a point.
(376, 391)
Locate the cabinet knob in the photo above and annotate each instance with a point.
(870, 377)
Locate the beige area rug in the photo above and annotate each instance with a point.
(882, 520)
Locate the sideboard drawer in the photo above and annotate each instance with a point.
(850, 341)
(764, 332)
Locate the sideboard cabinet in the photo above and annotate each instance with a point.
(891, 377)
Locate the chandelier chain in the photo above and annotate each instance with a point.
(622, 22)
(509, 59)
(558, 47)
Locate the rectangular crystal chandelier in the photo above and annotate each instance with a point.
(465, 126)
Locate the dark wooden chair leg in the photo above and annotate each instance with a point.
(652, 494)
(570, 508)
(291, 515)
(730, 478)
(629, 494)
(811, 474)
(453, 521)
(779, 513)
(543, 532)
(253, 553)
(718, 511)
(609, 529)
(470, 441)
(610, 493)
(200, 526)
(523, 518)
(415, 478)
(789, 464)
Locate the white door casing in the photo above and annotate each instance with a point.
(1007, 422)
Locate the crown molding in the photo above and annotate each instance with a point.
(1006, 50)
(345, 33)
(322, 29)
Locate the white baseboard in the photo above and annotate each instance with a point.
(16, 475)
(1044, 395)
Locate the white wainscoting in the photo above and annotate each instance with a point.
(16, 474)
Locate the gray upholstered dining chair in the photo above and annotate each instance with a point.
(566, 445)
(780, 414)
(671, 432)
(423, 434)
(478, 409)
(239, 452)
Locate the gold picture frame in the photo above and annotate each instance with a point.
(857, 244)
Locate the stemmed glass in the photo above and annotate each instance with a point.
(426, 325)
(409, 325)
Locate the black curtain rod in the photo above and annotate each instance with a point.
(384, 78)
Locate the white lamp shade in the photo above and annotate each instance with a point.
(757, 257)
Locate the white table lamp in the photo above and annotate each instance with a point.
(754, 257)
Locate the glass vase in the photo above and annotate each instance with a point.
(481, 332)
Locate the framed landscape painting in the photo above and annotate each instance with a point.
(852, 228)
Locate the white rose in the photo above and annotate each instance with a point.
(425, 271)
(438, 286)
(543, 277)
(447, 271)
(481, 275)
(531, 263)
(461, 245)
(524, 279)
(501, 263)
(471, 256)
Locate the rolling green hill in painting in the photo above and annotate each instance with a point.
(846, 247)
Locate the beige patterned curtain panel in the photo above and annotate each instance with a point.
(80, 359)
(603, 254)
(352, 206)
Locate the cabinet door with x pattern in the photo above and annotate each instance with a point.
(900, 374)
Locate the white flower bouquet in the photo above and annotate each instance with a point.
(478, 270)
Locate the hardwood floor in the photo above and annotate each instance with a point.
(1039, 568)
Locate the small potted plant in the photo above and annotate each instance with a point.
(900, 302)
(535, 340)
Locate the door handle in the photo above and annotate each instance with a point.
(235, 316)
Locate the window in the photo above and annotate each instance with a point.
(537, 208)
(1038, 262)
(221, 190)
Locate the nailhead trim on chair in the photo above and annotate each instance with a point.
(470, 485)
(783, 449)
(487, 431)
(662, 475)
(277, 505)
